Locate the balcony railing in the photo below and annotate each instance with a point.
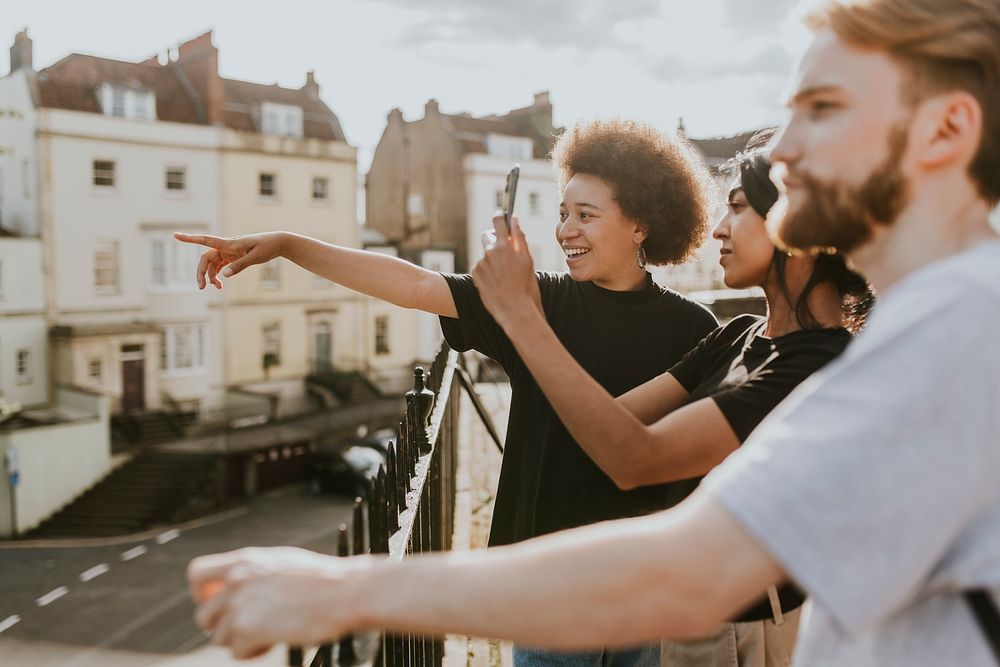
(411, 504)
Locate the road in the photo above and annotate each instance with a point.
(125, 603)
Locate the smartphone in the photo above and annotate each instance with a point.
(510, 190)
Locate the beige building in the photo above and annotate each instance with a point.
(121, 154)
(435, 182)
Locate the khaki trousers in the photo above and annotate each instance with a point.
(754, 644)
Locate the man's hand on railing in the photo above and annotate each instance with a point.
(252, 599)
(232, 255)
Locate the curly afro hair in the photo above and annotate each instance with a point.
(658, 181)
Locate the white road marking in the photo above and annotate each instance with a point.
(51, 596)
(167, 536)
(134, 552)
(94, 572)
(9, 622)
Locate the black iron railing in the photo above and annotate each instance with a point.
(411, 505)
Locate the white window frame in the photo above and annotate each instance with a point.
(111, 287)
(171, 264)
(382, 346)
(260, 186)
(135, 104)
(270, 275)
(22, 366)
(321, 195)
(509, 147)
(534, 202)
(175, 169)
(98, 377)
(284, 120)
(96, 173)
(270, 337)
(172, 352)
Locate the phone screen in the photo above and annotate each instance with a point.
(510, 190)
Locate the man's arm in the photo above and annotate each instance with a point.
(381, 276)
(676, 574)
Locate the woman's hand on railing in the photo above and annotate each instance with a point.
(505, 276)
(252, 599)
(231, 255)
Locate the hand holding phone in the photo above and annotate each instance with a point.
(510, 191)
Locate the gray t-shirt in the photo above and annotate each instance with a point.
(876, 484)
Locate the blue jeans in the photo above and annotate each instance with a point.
(639, 656)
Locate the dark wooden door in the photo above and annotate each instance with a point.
(133, 379)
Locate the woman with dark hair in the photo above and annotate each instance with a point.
(630, 196)
(677, 427)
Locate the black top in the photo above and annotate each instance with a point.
(747, 375)
(622, 339)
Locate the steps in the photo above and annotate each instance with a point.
(350, 387)
(153, 488)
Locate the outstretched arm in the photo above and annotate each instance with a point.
(676, 574)
(382, 276)
(689, 441)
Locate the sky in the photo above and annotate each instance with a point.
(721, 65)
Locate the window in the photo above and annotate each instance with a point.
(499, 199)
(171, 265)
(104, 173)
(533, 202)
(512, 148)
(271, 337)
(22, 366)
(26, 178)
(106, 274)
(176, 179)
(321, 188)
(281, 119)
(382, 334)
(127, 102)
(118, 102)
(182, 349)
(270, 275)
(268, 185)
(95, 370)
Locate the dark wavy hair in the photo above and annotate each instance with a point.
(754, 169)
(657, 180)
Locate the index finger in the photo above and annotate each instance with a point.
(500, 226)
(200, 239)
(206, 569)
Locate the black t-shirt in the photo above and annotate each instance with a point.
(622, 339)
(747, 375)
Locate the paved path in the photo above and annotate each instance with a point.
(125, 604)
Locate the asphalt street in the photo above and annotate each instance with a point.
(126, 603)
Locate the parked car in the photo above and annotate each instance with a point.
(344, 470)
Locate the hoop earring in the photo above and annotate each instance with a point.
(640, 257)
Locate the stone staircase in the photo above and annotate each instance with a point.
(350, 387)
(153, 488)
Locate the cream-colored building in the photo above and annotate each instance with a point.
(121, 161)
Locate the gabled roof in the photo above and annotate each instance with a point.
(242, 100)
(72, 84)
(533, 122)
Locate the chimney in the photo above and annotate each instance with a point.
(394, 116)
(431, 107)
(20, 52)
(199, 60)
(542, 99)
(681, 130)
(311, 86)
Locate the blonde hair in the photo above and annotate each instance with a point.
(943, 46)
